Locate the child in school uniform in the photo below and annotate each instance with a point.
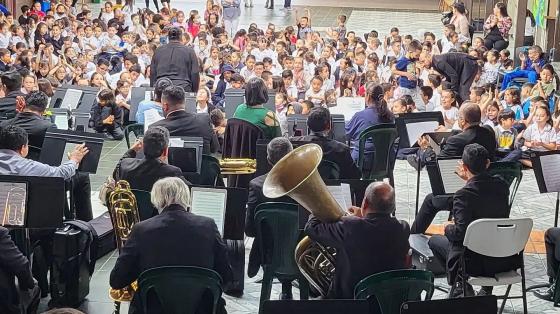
(540, 135)
(106, 116)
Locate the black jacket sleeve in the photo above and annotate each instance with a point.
(221, 261)
(131, 153)
(329, 234)
(463, 216)
(13, 261)
(195, 70)
(252, 202)
(126, 268)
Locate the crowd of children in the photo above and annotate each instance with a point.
(112, 49)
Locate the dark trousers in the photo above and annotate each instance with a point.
(428, 211)
(495, 42)
(552, 244)
(447, 254)
(81, 195)
(287, 3)
(155, 3)
(115, 132)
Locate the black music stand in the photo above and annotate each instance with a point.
(270, 104)
(188, 157)
(319, 306)
(31, 203)
(297, 125)
(409, 128)
(56, 142)
(545, 166)
(232, 98)
(338, 130)
(190, 102)
(467, 305)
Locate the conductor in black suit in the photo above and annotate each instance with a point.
(483, 196)
(469, 122)
(182, 123)
(175, 237)
(319, 122)
(141, 174)
(368, 242)
(275, 150)
(459, 70)
(177, 62)
(14, 264)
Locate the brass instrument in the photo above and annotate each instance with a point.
(238, 166)
(124, 214)
(296, 175)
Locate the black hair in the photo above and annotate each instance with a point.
(130, 57)
(435, 80)
(12, 80)
(475, 157)
(103, 61)
(506, 114)
(174, 96)
(12, 137)
(319, 118)
(155, 141)
(37, 101)
(374, 98)
(287, 74)
(175, 33)
(256, 92)
(106, 95)
(161, 85)
(427, 91)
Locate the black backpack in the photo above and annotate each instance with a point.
(74, 255)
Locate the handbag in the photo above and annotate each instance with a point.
(106, 188)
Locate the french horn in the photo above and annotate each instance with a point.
(296, 176)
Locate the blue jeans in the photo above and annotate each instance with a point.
(531, 75)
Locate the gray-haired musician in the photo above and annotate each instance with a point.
(368, 242)
(175, 237)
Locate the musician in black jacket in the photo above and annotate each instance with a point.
(369, 242)
(181, 123)
(177, 62)
(175, 237)
(469, 122)
(459, 70)
(13, 264)
(141, 174)
(11, 84)
(275, 150)
(483, 196)
(319, 122)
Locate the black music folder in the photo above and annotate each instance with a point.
(467, 305)
(410, 126)
(58, 143)
(436, 140)
(443, 177)
(546, 167)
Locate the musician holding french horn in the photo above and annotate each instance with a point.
(367, 241)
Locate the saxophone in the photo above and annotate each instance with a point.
(124, 214)
(296, 175)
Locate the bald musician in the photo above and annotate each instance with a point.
(369, 241)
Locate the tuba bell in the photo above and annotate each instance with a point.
(124, 214)
(296, 175)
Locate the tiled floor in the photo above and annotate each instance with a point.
(528, 203)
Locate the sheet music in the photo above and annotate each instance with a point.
(151, 116)
(338, 192)
(61, 122)
(416, 129)
(71, 99)
(549, 164)
(210, 203)
(451, 181)
(345, 187)
(348, 106)
(176, 142)
(148, 95)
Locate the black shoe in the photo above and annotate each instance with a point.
(413, 161)
(457, 291)
(270, 8)
(484, 291)
(545, 294)
(285, 296)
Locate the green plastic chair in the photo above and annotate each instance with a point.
(136, 128)
(383, 136)
(329, 170)
(145, 207)
(180, 289)
(210, 173)
(395, 287)
(511, 173)
(279, 234)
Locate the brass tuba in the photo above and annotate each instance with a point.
(124, 214)
(296, 175)
(238, 166)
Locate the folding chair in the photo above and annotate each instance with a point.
(498, 238)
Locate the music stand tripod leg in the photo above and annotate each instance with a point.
(418, 189)
(557, 208)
